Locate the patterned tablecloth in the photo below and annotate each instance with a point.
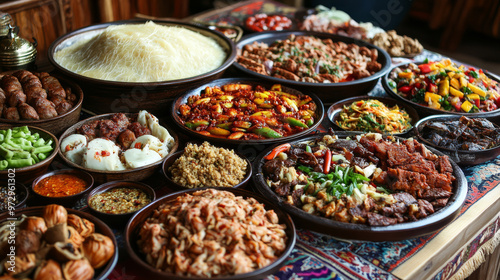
(451, 253)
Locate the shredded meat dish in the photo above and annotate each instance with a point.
(310, 59)
(212, 233)
(368, 180)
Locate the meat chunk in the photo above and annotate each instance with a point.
(121, 121)
(89, 129)
(375, 219)
(52, 86)
(11, 114)
(16, 97)
(126, 138)
(138, 129)
(44, 108)
(108, 129)
(27, 112)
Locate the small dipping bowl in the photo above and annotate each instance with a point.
(21, 195)
(119, 218)
(69, 200)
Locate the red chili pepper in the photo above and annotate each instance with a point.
(281, 148)
(480, 71)
(138, 145)
(328, 161)
(68, 148)
(360, 103)
(404, 89)
(471, 79)
(477, 101)
(457, 106)
(105, 153)
(425, 68)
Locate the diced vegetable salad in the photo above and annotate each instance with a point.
(446, 86)
(19, 147)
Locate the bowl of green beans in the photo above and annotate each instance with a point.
(25, 153)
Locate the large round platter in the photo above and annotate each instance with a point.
(135, 223)
(58, 124)
(254, 82)
(328, 92)
(100, 227)
(363, 232)
(427, 111)
(112, 96)
(101, 176)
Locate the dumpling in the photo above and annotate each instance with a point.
(102, 154)
(73, 147)
(140, 157)
(150, 121)
(154, 144)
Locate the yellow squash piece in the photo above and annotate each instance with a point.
(455, 83)
(407, 75)
(466, 106)
(429, 96)
(444, 87)
(456, 93)
(473, 96)
(477, 90)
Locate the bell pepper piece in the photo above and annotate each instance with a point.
(455, 83)
(227, 125)
(473, 96)
(403, 89)
(276, 151)
(236, 135)
(429, 96)
(195, 123)
(295, 122)
(202, 100)
(267, 132)
(406, 75)
(425, 68)
(242, 124)
(218, 131)
(310, 122)
(267, 114)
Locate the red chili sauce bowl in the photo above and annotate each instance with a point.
(64, 187)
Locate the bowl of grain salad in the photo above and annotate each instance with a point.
(117, 201)
(205, 165)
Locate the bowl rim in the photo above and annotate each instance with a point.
(446, 117)
(396, 232)
(102, 188)
(23, 188)
(230, 53)
(177, 154)
(259, 36)
(333, 113)
(131, 233)
(77, 172)
(390, 92)
(320, 110)
(49, 158)
(75, 88)
(106, 270)
(103, 116)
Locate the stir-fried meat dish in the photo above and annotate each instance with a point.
(367, 180)
(469, 134)
(310, 59)
(119, 128)
(212, 233)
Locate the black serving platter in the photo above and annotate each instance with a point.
(361, 232)
(319, 113)
(327, 92)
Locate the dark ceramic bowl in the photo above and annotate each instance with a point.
(57, 124)
(135, 223)
(335, 109)
(100, 227)
(423, 110)
(170, 159)
(123, 217)
(21, 194)
(461, 157)
(103, 96)
(101, 176)
(66, 201)
(363, 232)
(26, 175)
(327, 92)
(250, 81)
